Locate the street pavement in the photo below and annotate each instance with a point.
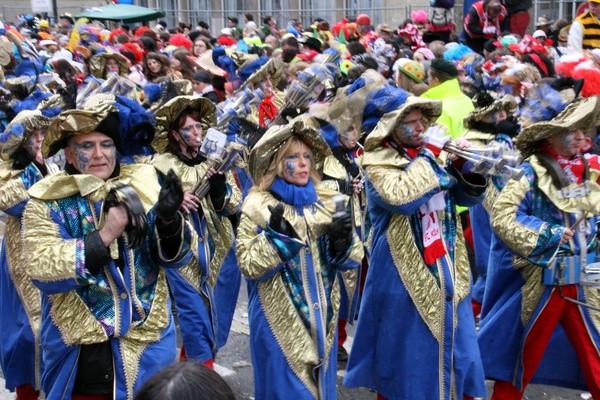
(235, 365)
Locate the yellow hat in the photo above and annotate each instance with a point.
(44, 24)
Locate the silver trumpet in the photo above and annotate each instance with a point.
(223, 163)
(304, 89)
(493, 159)
(114, 84)
(238, 106)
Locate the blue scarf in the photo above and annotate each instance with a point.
(297, 196)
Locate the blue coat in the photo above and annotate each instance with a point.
(20, 301)
(205, 293)
(415, 336)
(126, 305)
(529, 220)
(293, 298)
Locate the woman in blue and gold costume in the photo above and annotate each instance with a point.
(539, 317)
(20, 307)
(415, 336)
(206, 293)
(292, 240)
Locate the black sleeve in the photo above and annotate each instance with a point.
(170, 235)
(505, 24)
(218, 190)
(473, 25)
(97, 254)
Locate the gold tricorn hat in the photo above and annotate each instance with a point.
(206, 63)
(168, 114)
(78, 122)
(274, 69)
(582, 114)
(97, 64)
(431, 110)
(23, 124)
(304, 127)
(346, 110)
(507, 103)
(240, 58)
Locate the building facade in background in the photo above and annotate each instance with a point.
(216, 12)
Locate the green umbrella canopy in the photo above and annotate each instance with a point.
(122, 12)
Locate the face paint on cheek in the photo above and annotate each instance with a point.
(408, 131)
(112, 156)
(30, 146)
(83, 160)
(567, 140)
(185, 137)
(290, 167)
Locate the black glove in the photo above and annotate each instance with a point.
(290, 113)
(169, 198)
(277, 221)
(218, 190)
(128, 198)
(340, 232)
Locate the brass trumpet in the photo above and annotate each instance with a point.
(493, 159)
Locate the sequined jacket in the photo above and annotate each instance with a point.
(529, 217)
(20, 302)
(205, 307)
(293, 297)
(126, 304)
(410, 310)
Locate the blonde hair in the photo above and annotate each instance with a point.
(276, 167)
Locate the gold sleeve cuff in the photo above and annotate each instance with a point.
(51, 257)
(520, 238)
(12, 193)
(399, 186)
(330, 184)
(256, 256)
(235, 198)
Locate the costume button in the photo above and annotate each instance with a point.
(316, 306)
(308, 250)
(123, 296)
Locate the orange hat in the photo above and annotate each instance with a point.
(45, 36)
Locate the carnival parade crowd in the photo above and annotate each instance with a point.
(435, 186)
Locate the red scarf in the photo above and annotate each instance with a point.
(433, 244)
(267, 111)
(573, 167)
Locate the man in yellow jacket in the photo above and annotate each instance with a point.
(444, 86)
